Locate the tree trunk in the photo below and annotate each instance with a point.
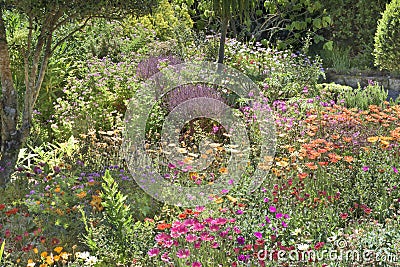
(224, 29)
(10, 142)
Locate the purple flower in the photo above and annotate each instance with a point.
(267, 219)
(266, 200)
(240, 240)
(279, 215)
(239, 212)
(365, 168)
(284, 224)
(272, 209)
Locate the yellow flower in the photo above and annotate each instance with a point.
(64, 255)
(43, 254)
(58, 249)
(219, 200)
(56, 258)
(30, 263)
(49, 259)
(372, 139)
(35, 250)
(43, 265)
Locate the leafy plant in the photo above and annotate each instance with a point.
(387, 52)
(115, 230)
(2, 249)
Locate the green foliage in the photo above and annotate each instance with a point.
(168, 20)
(387, 52)
(97, 100)
(293, 20)
(116, 231)
(353, 27)
(362, 98)
(280, 74)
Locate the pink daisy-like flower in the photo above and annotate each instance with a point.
(196, 264)
(258, 235)
(272, 209)
(183, 253)
(191, 238)
(153, 252)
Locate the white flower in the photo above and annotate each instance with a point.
(303, 247)
(91, 260)
(82, 255)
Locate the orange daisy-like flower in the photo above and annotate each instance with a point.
(311, 166)
(302, 175)
(163, 226)
(348, 159)
(81, 194)
(334, 157)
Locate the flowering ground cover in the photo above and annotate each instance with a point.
(333, 183)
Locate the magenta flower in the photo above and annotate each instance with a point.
(272, 209)
(267, 219)
(215, 245)
(214, 227)
(196, 264)
(183, 253)
(153, 252)
(258, 235)
(395, 170)
(239, 212)
(279, 215)
(266, 200)
(240, 240)
(191, 238)
(284, 224)
(365, 168)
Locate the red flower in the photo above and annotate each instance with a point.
(12, 211)
(344, 216)
(2, 206)
(319, 245)
(55, 241)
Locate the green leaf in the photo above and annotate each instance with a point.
(328, 46)
(2, 249)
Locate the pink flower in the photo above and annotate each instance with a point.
(365, 168)
(198, 227)
(215, 245)
(284, 224)
(214, 227)
(153, 252)
(191, 238)
(197, 244)
(279, 215)
(272, 209)
(196, 264)
(220, 221)
(183, 253)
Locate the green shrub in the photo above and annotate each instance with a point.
(387, 51)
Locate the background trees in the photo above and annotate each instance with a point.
(44, 22)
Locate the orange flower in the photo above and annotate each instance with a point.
(348, 159)
(347, 139)
(311, 166)
(334, 157)
(81, 194)
(182, 216)
(43, 254)
(323, 163)
(163, 226)
(302, 175)
(57, 190)
(223, 170)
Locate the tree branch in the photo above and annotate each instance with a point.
(70, 34)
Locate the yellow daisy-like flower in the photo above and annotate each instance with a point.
(35, 250)
(58, 249)
(49, 259)
(31, 263)
(43, 254)
(372, 139)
